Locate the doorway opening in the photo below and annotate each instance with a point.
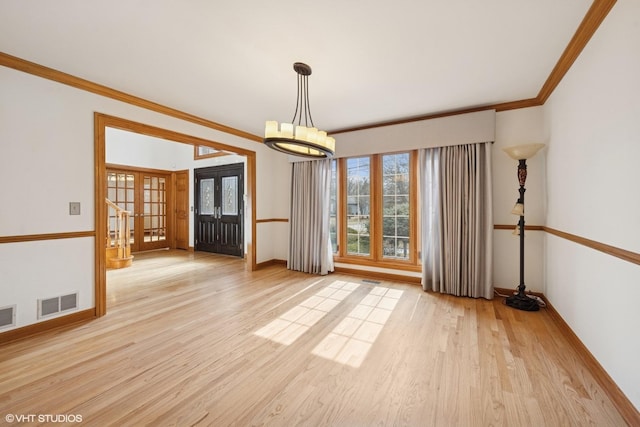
(157, 235)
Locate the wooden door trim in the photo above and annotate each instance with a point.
(101, 122)
(126, 168)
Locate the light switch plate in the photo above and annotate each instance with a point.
(74, 208)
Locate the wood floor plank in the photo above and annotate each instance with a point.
(196, 339)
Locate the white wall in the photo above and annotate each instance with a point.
(134, 149)
(56, 273)
(46, 161)
(593, 125)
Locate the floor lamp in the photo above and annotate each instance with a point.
(521, 153)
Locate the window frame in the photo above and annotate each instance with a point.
(376, 253)
(344, 200)
(198, 156)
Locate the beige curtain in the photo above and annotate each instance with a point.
(457, 220)
(309, 238)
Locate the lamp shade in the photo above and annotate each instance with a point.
(523, 151)
(518, 209)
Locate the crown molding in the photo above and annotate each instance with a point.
(590, 23)
(587, 28)
(89, 86)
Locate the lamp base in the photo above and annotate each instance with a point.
(522, 302)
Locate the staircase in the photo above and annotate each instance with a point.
(118, 237)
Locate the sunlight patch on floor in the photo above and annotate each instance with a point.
(291, 325)
(350, 341)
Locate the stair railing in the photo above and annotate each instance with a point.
(119, 237)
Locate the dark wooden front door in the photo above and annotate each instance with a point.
(219, 209)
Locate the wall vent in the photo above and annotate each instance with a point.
(51, 306)
(68, 302)
(7, 316)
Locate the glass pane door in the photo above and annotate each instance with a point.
(121, 191)
(145, 195)
(154, 198)
(218, 220)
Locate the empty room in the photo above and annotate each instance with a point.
(319, 213)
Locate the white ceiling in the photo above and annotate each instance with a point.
(231, 62)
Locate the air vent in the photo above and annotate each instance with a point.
(7, 316)
(68, 302)
(51, 306)
(372, 282)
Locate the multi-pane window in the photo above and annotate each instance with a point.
(395, 206)
(375, 217)
(358, 205)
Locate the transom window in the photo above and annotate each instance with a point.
(205, 152)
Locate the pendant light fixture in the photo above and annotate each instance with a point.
(299, 138)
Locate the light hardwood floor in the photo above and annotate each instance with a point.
(194, 339)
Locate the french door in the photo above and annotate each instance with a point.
(145, 194)
(219, 209)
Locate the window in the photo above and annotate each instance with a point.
(395, 206)
(375, 220)
(358, 197)
(205, 152)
